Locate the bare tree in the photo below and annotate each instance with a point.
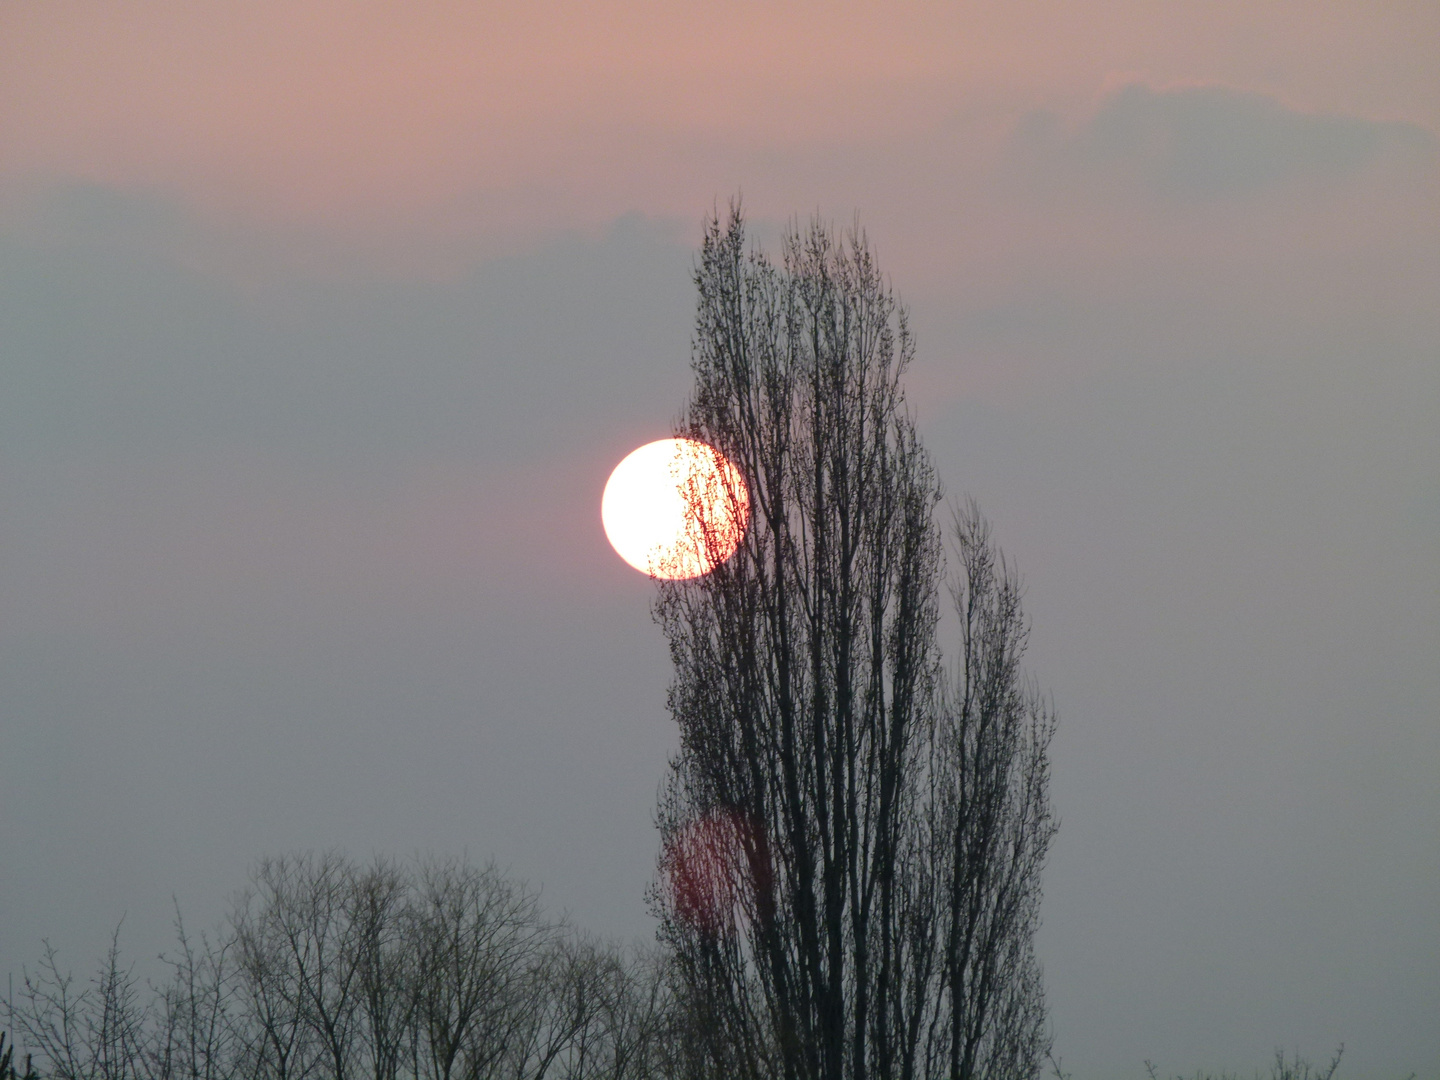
(194, 1037)
(94, 1033)
(836, 821)
(378, 909)
(479, 941)
(299, 952)
(991, 828)
(600, 1017)
(276, 1037)
(561, 1016)
(634, 1004)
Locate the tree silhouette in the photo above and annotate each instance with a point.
(7, 1063)
(851, 838)
(327, 968)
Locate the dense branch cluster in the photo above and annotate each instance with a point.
(873, 891)
(328, 969)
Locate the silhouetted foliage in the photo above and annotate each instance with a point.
(852, 837)
(329, 969)
(7, 1063)
(1295, 1068)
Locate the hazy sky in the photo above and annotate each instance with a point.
(322, 325)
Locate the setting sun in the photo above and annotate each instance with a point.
(675, 508)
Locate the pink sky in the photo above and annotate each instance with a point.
(507, 118)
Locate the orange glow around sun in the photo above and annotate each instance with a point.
(675, 509)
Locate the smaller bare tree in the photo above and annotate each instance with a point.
(94, 1033)
(477, 939)
(194, 1037)
(1295, 1068)
(300, 963)
(377, 909)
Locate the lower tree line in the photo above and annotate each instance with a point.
(328, 968)
(386, 971)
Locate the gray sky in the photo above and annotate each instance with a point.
(302, 440)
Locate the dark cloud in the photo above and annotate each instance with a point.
(1213, 142)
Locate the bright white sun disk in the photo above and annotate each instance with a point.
(675, 508)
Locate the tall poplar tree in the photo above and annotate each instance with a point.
(852, 834)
